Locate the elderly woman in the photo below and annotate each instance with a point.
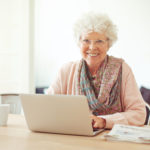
(106, 81)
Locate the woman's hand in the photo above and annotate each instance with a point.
(98, 122)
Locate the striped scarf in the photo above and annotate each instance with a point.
(108, 83)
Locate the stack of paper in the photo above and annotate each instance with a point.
(129, 133)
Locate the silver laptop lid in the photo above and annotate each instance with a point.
(65, 114)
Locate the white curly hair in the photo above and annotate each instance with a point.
(95, 22)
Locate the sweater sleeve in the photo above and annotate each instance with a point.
(59, 86)
(133, 103)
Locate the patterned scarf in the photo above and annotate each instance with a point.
(108, 82)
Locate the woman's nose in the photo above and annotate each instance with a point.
(92, 45)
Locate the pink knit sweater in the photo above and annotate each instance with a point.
(133, 103)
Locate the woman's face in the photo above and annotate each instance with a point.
(93, 47)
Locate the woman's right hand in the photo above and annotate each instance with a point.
(98, 122)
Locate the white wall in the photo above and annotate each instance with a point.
(15, 50)
(54, 38)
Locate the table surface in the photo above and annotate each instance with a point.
(17, 136)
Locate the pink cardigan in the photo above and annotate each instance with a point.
(133, 103)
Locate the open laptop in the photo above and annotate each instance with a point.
(63, 114)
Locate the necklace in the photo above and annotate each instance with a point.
(93, 77)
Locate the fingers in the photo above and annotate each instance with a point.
(96, 125)
(95, 121)
(98, 122)
(93, 117)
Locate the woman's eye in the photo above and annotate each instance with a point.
(99, 41)
(86, 41)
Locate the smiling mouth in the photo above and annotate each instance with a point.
(92, 54)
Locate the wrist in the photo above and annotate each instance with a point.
(104, 122)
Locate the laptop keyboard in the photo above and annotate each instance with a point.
(95, 129)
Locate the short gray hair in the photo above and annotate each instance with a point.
(96, 22)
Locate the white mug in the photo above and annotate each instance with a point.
(4, 111)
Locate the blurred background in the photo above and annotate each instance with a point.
(36, 38)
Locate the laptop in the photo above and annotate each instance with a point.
(62, 114)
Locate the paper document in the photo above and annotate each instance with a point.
(129, 133)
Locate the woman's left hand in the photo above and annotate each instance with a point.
(98, 122)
